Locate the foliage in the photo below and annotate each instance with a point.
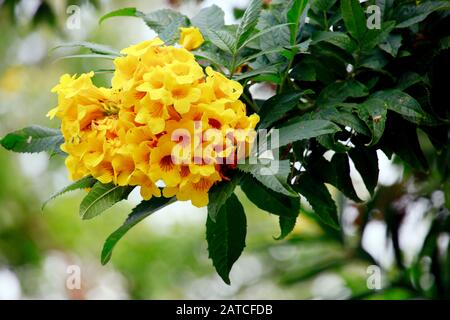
(340, 87)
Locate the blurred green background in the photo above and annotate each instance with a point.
(165, 257)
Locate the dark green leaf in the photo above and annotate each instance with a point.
(102, 197)
(392, 43)
(366, 162)
(337, 173)
(272, 174)
(276, 107)
(305, 129)
(219, 194)
(319, 198)
(339, 91)
(139, 213)
(354, 18)
(373, 112)
(83, 183)
(226, 236)
(33, 139)
(412, 13)
(293, 16)
(287, 224)
(268, 200)
(404, 104)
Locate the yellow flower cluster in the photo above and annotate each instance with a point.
(154, 124)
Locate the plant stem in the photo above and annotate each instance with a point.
(250, 102)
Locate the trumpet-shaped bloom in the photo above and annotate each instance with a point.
(163, 120)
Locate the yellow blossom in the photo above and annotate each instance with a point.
(191, 38)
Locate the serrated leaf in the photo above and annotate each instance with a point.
(374, 36)
(268, 200)
(287, 224)
(33, 139)
(294, 15)
(139, 213)
(272, 174)
(411, 13)
(248, 22)
(166, 23)
(339, 39)
(354, 18)
(226, 236)
(83, 183)
(366, 162)
(223, 39)
(269, 69)
(337, 173)
(402, 103)
(210, 18)
(373, 112)
(339, 91)
(93, 47)
(305, 129)
(124, 12)
(219, 194)
(392, 43)
(344, 118)
(275, 107)
(317, 195)
(102, 197)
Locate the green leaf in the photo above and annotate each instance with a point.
(319, 198)
(354, 18)
(410, 13)
(392, 43)
(93, 47)
(373, 112)
(124, 12)
(337, 173)
(33, 139)
(83, 183)
(273, 174)
(287, 224)
(402, 139)
(263, 32)
(402, 103)
(276, 107)
(166, 23)
(223, 39)
(268, 200)
(344, 118)
(293, 16)
(374, 36)
(139, 213)
(219, 194)
(366, 162)
(339, 91)
(102, 197)
(336, 38)
(215, 59)
(303, 72)
(210, 18)
(248, 22)
(87, 56)
(269, 69)
(226, 236)
(305, 129)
